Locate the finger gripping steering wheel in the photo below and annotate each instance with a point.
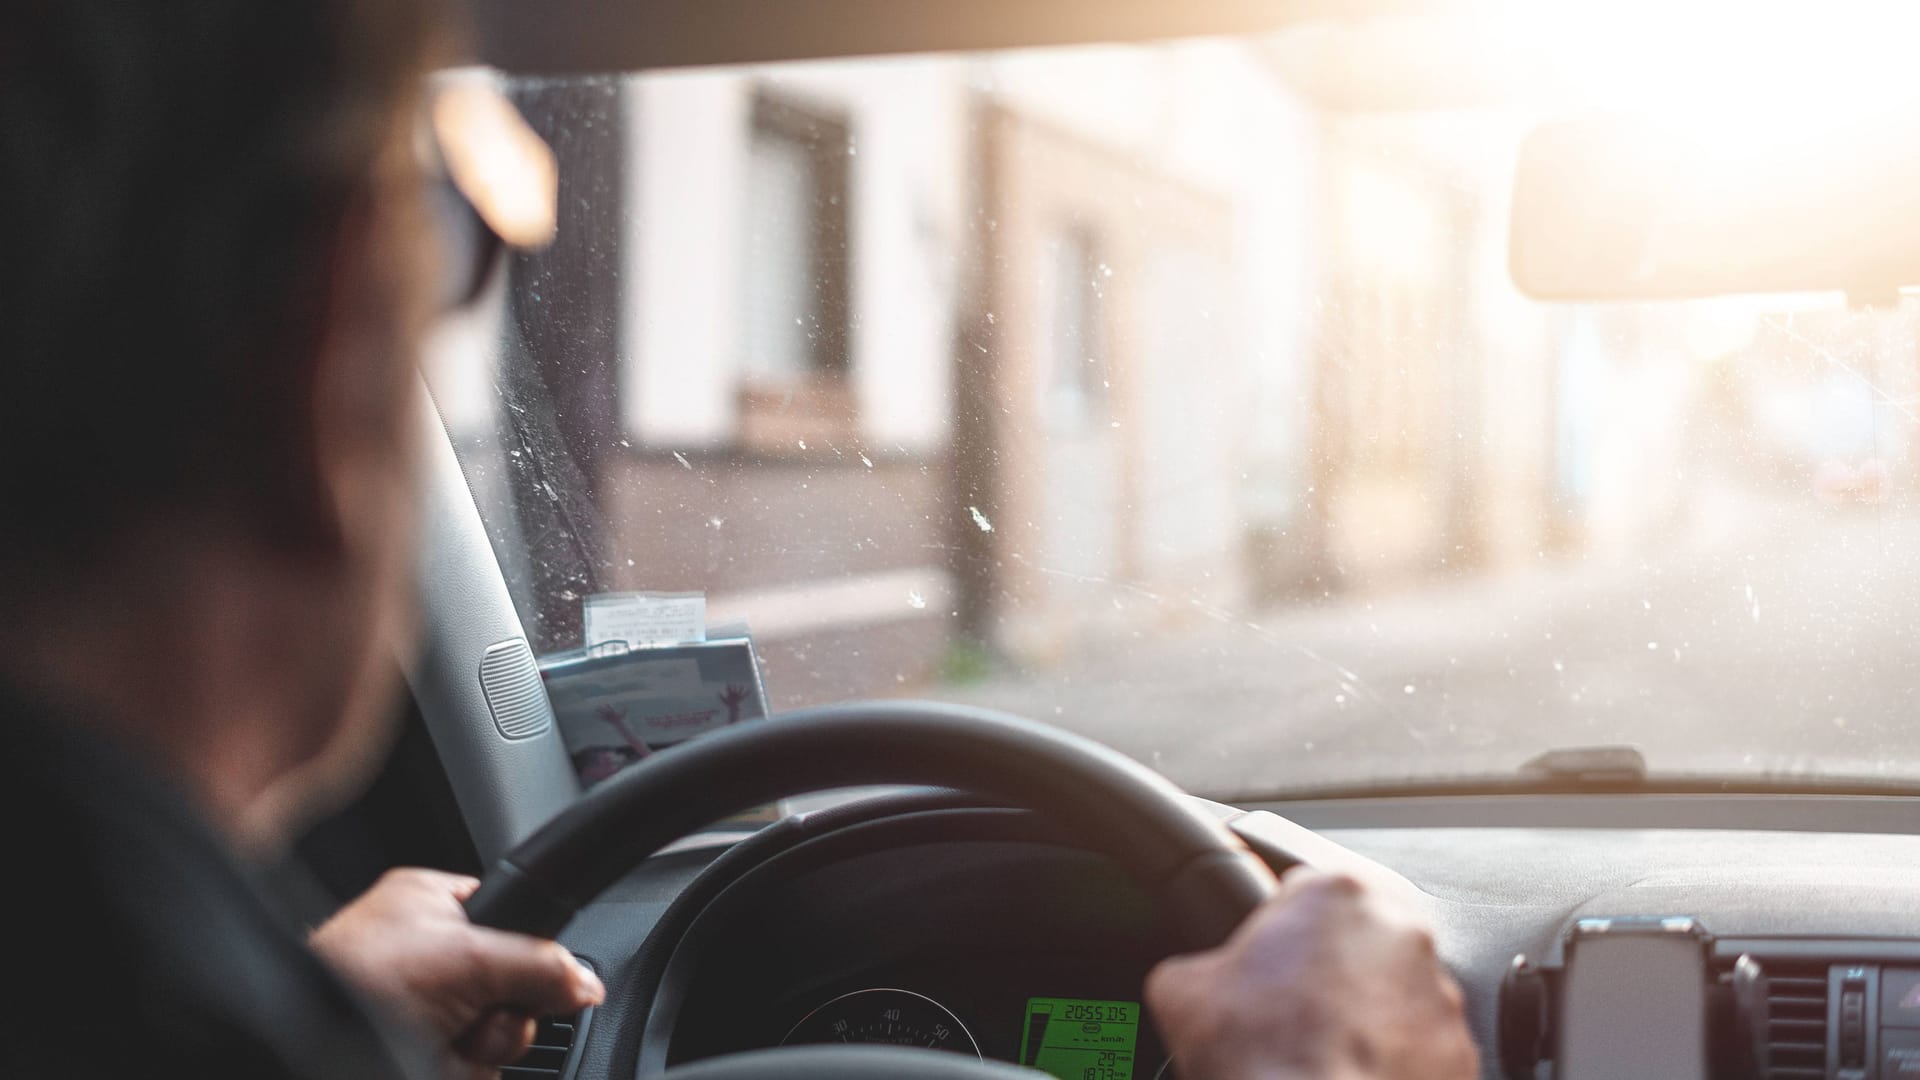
(1207, 879)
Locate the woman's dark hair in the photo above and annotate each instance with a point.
(172, 177)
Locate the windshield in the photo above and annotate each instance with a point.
(1136, 390)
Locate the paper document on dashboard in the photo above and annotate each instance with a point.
(617, 708)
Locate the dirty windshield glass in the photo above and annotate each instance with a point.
(1142, 391)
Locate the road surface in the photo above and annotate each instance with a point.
(1777, 639)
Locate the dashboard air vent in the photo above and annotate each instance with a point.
(552, 1054)
(1796, 1033)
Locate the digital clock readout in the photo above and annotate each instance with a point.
(1078, 1039)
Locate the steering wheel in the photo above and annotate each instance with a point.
(1207, 879)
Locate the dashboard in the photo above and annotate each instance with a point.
(966, 930)
(921, 918)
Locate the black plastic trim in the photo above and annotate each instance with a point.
(650, 960)
(675, 949)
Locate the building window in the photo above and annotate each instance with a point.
(1075, 388)
(796, 260)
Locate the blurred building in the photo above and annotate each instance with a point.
(1431, 446)
(1104, 407)
(899, 359)
(930, 349)
(1459, 427)
(792, 265)
(1138, 338)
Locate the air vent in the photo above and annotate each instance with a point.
(1796, 1020)
(552, 1054)
(511, 682)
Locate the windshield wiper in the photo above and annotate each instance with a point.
(1589, 766)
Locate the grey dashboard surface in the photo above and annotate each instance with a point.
(1786, 882)
(1492, 891)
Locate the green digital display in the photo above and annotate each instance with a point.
(1077, 1039)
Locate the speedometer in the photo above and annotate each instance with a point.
(886, 1016)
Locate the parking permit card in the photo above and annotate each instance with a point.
(639, 619)
(621, 707)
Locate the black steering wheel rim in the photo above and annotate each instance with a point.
(1208, 879)
(1171, 845)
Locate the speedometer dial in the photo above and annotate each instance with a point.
(885, 1016)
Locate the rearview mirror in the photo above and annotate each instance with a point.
(1611, 208)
